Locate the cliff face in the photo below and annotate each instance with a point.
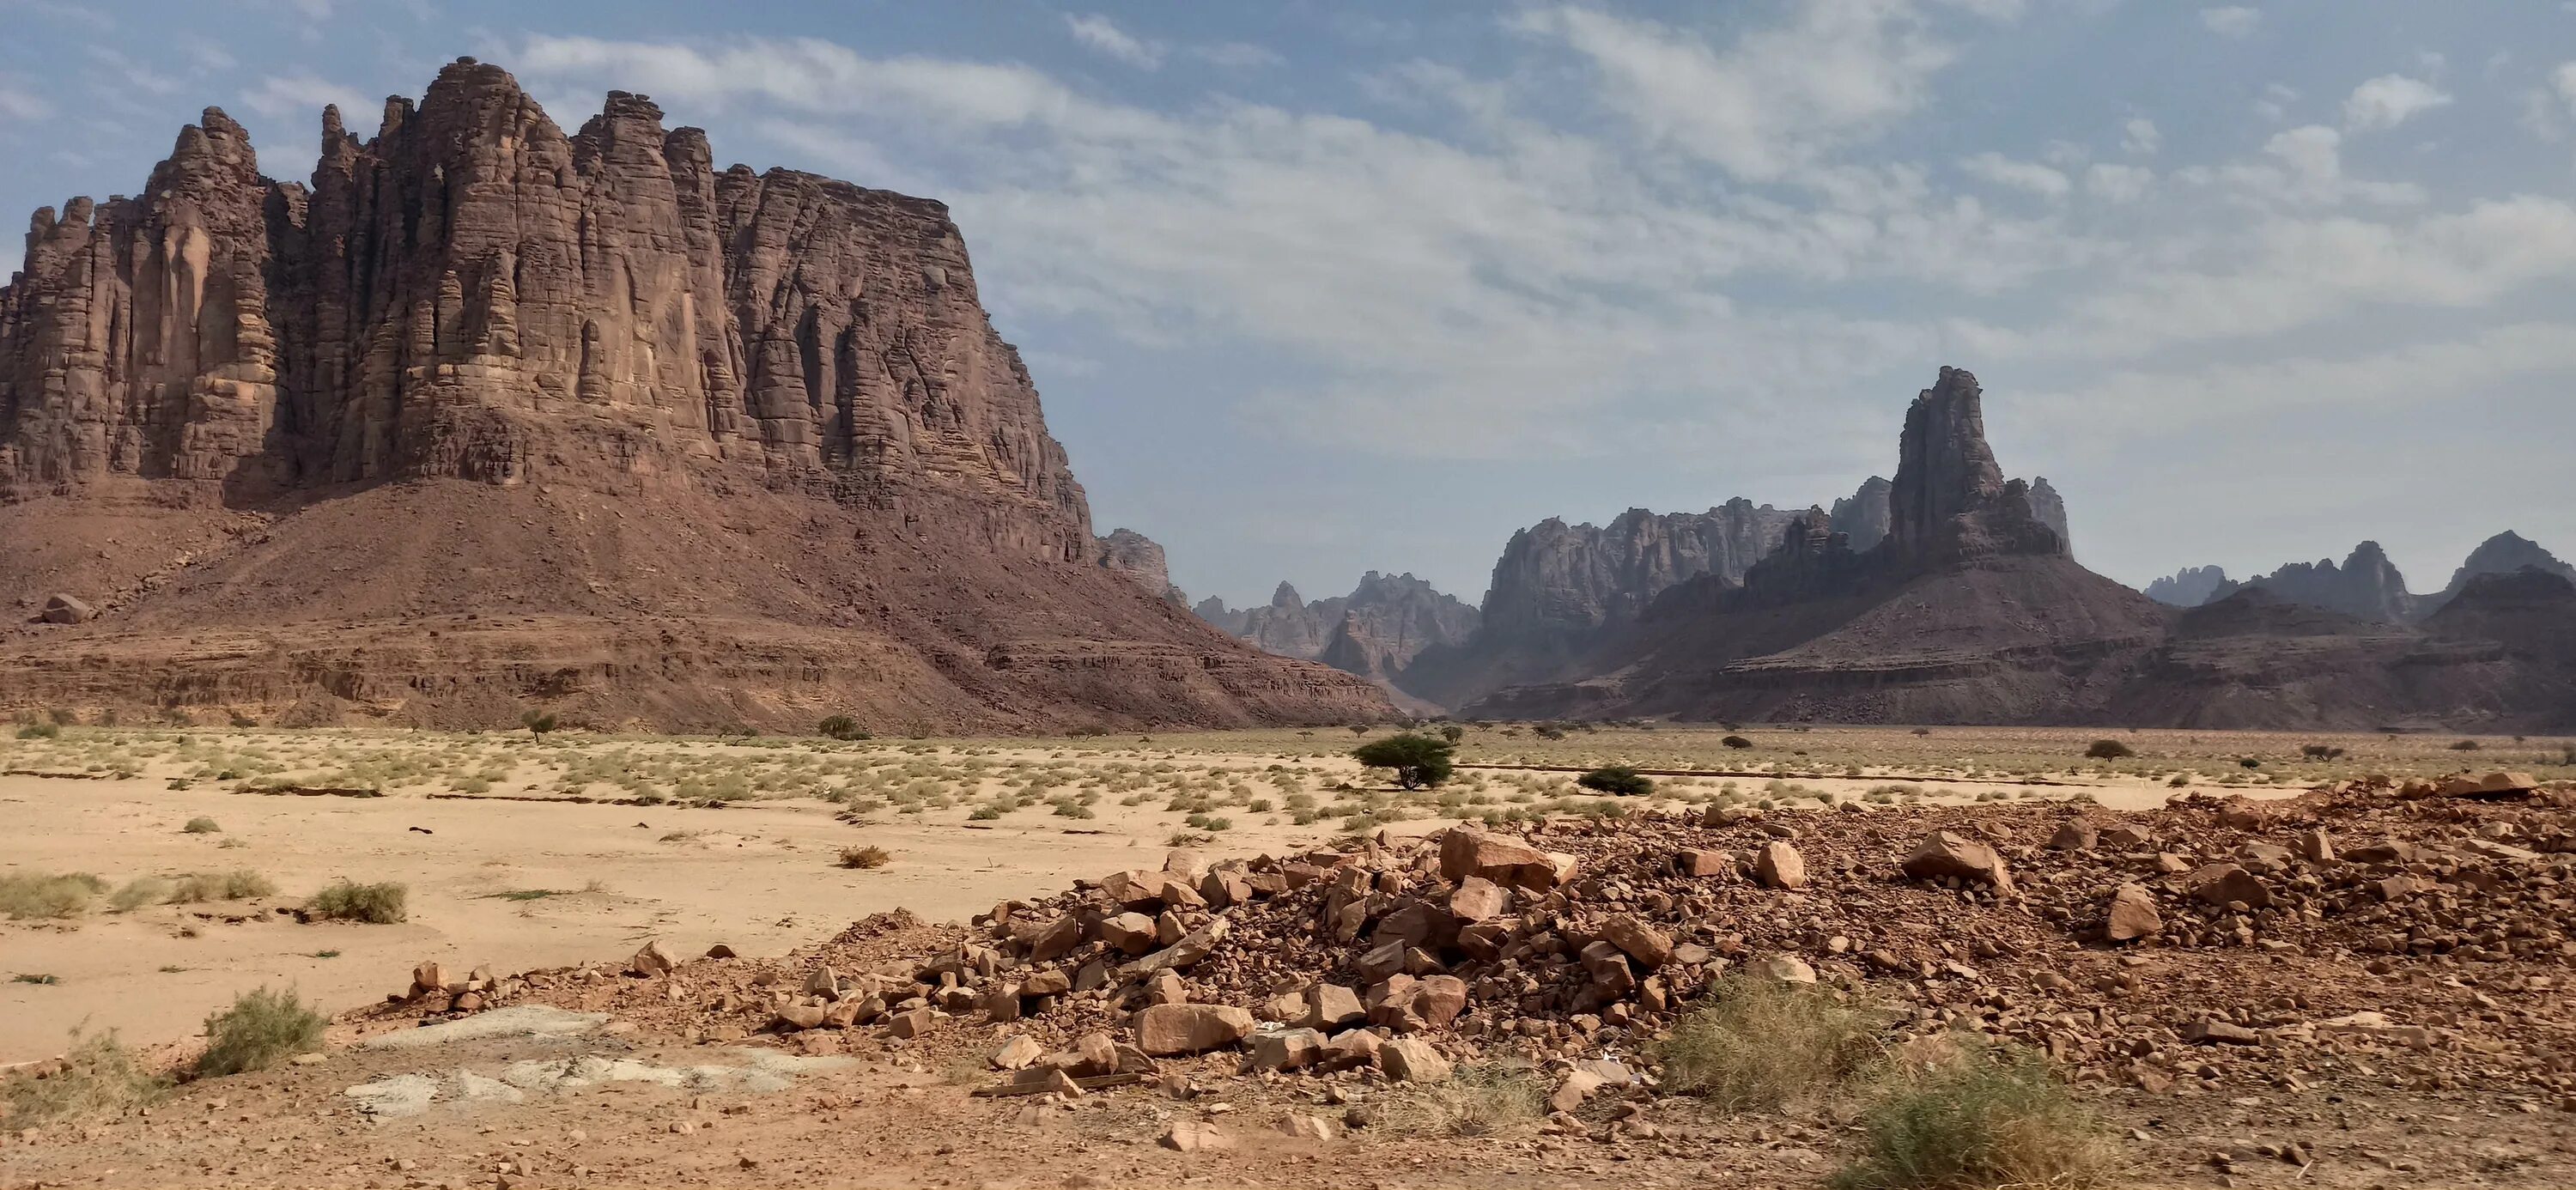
(690, 364)
(1862, 517)
(2503, 554)
(475, 294)
(1140, 560)
(1375, 631)
(2366, 587)
(1969, 608)
(1388, 620)
(2188, 587)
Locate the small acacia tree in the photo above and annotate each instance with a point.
(1617, 780)
(1419, 761)
(538, 723)
(2109, 750)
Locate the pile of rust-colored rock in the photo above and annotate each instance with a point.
(2213, 941)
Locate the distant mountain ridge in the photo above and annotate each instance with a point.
(2366, 586)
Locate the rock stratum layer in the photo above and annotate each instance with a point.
(1972, 609)
(490, 414)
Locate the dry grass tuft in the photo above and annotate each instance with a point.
(261, 1028)
(49, 898)
(240, 885)
(1762, 1045)
(100, 1080)
(865, 857)
(1482, 1100)
(376, 904)
(1986, 1119)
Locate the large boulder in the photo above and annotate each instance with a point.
(1466, 851)
(1948, 854)
(1166, 1029)
(68, 609)
(2133, 914)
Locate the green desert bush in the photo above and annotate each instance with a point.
(49, 898)
(39, 731)
(840, 727)
(201, 826)
(1418, 761)
(1617, 780)
(1737, 742)
(1989, 1118)
(2109, 750)
(139, 892)
(375, 904)
(261, 1028)
(101, 1081)
(1763, 1045)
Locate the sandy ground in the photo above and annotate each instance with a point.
(758, 875)
(761, 878)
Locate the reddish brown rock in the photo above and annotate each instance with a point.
(1944, 854)
(1466, 851)
(2132, 914)
(1166, 1029)
(1779, 865)
(483, 320)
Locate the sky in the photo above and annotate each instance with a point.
(1314, 288)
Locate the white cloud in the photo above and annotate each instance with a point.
(2118, 183)
(19, 103)
(1237, 55)
(2123, 404)
(1779, 98)
(2304, 168)
(300, 97)
(2234, 21)
(2274, 103)
(2563, 81)
(1104, 36)
(2140, 137)
(2388, 101)
(2028, 176)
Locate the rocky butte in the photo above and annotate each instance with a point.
(1972, 609)
(490, 415)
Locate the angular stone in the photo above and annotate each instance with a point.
(1644, 943)
(2132, 914)
(654, 959)
(1778, 865)
(911, 1024)
(1466, 851)
(1129, 933)
(1412, 1060)
(2218, 884)
(1016, 1053)
(1195, 1136)
(1166, 1029)
(1290, 1049)
(1477, 899)
(1947, 854)
(68, 609)
(2075, 834)
(1331, 1006)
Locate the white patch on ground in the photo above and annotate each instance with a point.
(530, 1020)
(762, 1072)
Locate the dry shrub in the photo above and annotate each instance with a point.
(139, 892)
(865, 857)
(1987, 1118)
(99, 1079)
(377, 904)
(1763, 1045)
(260, 1028)
(49, 897)
(240, 885)
(201, 825)
(1481, 1100)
